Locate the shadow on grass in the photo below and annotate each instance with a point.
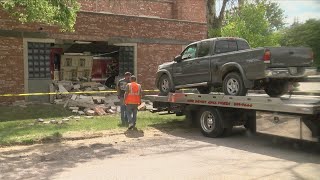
(265, 144)
(46, 161)
(35, 111)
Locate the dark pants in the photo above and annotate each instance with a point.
(132, 110)
(124, 118)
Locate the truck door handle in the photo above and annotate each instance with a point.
(291, 52)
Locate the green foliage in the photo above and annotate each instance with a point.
(304, 34)
(214, 32)
(251, 24)
(53, 12)
(274, 14)
(17, 124)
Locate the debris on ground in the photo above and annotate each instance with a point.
(63, 88)
(40, 120)
(142, 107)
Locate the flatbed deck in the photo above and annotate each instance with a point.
(218, 113)
(286, 104)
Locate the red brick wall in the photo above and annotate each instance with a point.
(150, 56)
(190, 10)
(11, 67)
(100, 27)
(158, 8)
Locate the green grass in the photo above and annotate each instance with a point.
(17, 125)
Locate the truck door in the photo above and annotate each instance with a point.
(201, 65)
(182, 71)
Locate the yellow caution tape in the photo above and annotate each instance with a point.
(60, 93)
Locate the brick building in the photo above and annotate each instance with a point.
(138, 34)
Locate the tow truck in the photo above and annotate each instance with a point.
(217, 114)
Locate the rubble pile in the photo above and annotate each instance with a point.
(62, 88)
(92, 105)
(97, 104)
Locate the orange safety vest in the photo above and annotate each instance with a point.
(133, 97)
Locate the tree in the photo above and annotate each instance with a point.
(274, 14)
(304, 34)
(53, 12)
(215, 19)
(252, 24)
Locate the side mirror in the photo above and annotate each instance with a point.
(178, 58)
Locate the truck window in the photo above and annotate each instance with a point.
(204, 48)
(225, 46)
(190, 52)
(243, 45)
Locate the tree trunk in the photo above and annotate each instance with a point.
(214, 22)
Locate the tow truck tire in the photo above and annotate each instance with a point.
(210, 122)
(234, 85)
(277, 88)
(165, 85)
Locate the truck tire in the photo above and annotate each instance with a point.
(205, 89)
(210, 122)
(277, 88)
(165, 85)
(233, 85)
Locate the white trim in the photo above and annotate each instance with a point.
(135, 59)
(25, 59)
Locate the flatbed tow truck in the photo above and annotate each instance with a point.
(217, 114)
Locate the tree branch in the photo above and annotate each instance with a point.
(223, 8)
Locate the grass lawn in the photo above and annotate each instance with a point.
(17, 124)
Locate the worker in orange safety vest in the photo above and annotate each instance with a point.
(132, 98)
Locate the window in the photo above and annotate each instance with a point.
(225, 46)
(39, 60)
(190, 52)
(243, 45)
(232, 46)
(204, 49)
(126, 59)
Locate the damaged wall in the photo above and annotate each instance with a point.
(158, 40)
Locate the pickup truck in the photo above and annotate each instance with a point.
(230, 63)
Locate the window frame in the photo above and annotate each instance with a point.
(228, 41)
(196, 53)
(243, 41)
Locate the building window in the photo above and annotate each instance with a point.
(126, 59)
(39, 60)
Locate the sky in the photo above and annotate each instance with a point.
(300, 9)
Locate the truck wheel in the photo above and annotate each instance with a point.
(277, 88)
(233, 85)
(210, 122)
(165, 85)
(205, 89)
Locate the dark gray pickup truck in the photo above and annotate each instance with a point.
(232, 64)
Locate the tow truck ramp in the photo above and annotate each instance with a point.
(217, 114)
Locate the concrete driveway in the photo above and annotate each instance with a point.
(163, 154)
